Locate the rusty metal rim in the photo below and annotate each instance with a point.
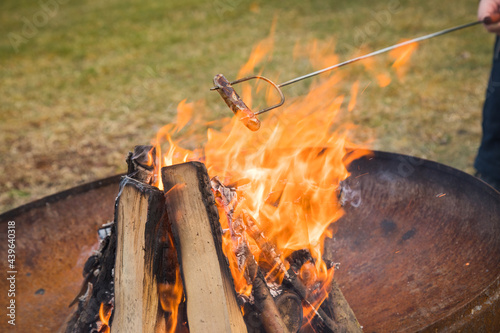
(11, 214)
(437, 166)
(458, 321)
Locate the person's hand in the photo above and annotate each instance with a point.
(488, 8)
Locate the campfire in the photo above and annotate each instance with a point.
(212, 251)
(228, 238)
(170, 264)
(260, 231)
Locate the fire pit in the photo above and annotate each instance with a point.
(419, 248)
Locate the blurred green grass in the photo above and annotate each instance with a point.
(99, 77)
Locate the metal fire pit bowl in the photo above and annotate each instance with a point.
(419, 248)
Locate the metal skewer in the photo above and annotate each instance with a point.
(225, 89)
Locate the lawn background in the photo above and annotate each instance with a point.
(98, 77)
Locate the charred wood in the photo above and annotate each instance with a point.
(338, 307)
(269, 251)
(97, 287)
(227, 198)
(334, 314)
(270, 315)
(141, 164)
(326, 324)
(289, 305)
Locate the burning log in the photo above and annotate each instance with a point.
(270, 314)
(139, 213)
(152, 278)
(131, 269)
(339, 309)
(289, 305)
(268, 249)
(289, 308)
(210, 295)
(271, 319)
(227, 199)
(97, 287)
(334, 314)
(323, 321)
(141, 164)
(144, 245)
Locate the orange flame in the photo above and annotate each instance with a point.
(170, 298)
(259, 52)
(321, 55)
(402, 55)
(175, 153)
(104, 316)
(171, 294)
(354, 96)
(184, 114)
(287, 173)
(383, 80)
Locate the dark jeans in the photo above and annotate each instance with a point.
(488, 158)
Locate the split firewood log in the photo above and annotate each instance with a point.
(210, 294)
(139, 217)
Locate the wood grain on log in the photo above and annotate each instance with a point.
(210, 294)
(264, 302)
(139, 210)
